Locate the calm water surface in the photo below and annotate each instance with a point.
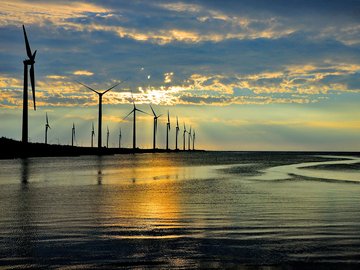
(181, 210)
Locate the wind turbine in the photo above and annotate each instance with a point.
(189, 139)
(73, 135)
(47, 126)
(155, 127)
(107, 137)
(184, 135)
(177, 133)
(193, 140)
(120, 139)
(167, 131)
(92, 135)
(134, 122)
(100, 108)
(28, 62)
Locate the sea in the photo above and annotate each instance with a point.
(185, 210)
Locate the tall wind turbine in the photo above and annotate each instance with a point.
(193, 140)
(155, 127)
(134, 122)
(189, 139)
(107, 137)
(177, 133)
(100, 108)
(167, 131)
(28, 62)
(73, 135)
(184, 135)
(47, 126)
(120, 138)
(92, 135)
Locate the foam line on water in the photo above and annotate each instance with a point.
(300, 169)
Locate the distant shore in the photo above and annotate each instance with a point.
(10, 148)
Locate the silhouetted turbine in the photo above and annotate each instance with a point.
(47, 126)
(120, 138)
(100, 108)
(107, 137)
(193, 140)
(177, 133)
(134, 122)
(73, 135)
(167, 131)
(184, 135)
(155, 127)
(92, 135)
(28, 62)
(189, 139)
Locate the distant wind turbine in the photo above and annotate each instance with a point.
(73, 135)
(107, 137)
(193, 140)
(47, 126)
(100, 108)
(184, 135)
(177, 133)
(92, 135)
(134, 122)
(155, 126)
(189, 139)
(28, 62)
(120, 138)
(167, 131)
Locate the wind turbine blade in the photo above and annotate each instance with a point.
(32, 78)
(47, 120)
(142, 111)
(128, 114)
(88, 87)
(111, 87)
(177, 122)
(34, 54)
(153, 110)
(28, 50)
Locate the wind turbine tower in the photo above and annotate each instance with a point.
(189, 139)
(28, 62)
(184, 135)
(177, 133)
(107, 137)
(155, 127)
(92, 135)
(120, 138)
(134, 122)
(100, 94)
(73, 135)
(47, 126)
(167, 132)
(193, 140)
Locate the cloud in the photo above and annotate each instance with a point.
(83, 73)
(294, 84)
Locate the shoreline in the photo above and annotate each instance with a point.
(11, 149)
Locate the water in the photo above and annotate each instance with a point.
(181, 210)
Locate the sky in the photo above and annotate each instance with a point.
(244, 74)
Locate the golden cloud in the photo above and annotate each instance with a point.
(83, 73)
